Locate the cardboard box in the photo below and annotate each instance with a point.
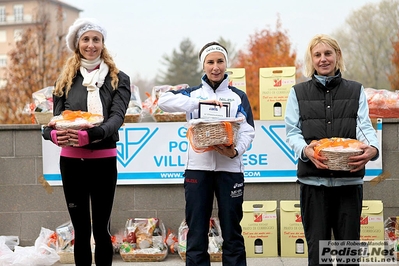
(259, 228)
(292, 236)
(291, 229)
(237, 78)
(372, 227)
(274, 86)
(372, 221)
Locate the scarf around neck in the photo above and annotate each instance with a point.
(93, 79)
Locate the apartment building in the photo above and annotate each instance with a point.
(15, 16)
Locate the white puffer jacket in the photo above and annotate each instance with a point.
(187, 100)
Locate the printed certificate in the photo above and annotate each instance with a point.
(210, 110)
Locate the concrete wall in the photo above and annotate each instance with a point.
(26, 206)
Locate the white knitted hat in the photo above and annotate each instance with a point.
(79, 27)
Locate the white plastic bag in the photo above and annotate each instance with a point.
(5, 252)
(35, 256)
(39, 255)
(43, 99)
(10, 241)
(135, 105)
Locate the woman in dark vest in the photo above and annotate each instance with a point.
(328, 106)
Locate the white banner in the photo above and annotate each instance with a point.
(155, 153)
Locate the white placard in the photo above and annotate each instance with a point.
(208, 110)
(155, 153)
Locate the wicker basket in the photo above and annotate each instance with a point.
(66, 257)
(43, 118)
(215, 257)
(138, 257)
(132, 118)
(338, 159)
(170, 117)
(210, 134)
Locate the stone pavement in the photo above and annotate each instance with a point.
(175, 260)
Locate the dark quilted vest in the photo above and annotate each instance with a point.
(325, 112)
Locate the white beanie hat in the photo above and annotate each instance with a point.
(79, 27)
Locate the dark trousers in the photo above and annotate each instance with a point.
(90, 184)
(200, 188)
(330, 210)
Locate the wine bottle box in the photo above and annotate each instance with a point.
(372, 229)
(237, 78)
(259, 228)
(275, 84)
(292, 236)
(372, 221)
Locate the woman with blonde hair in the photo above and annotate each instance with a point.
(90, 82)
(328, 106)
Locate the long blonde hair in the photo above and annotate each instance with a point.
(322, 38)
(71, 67)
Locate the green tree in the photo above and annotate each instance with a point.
(182, 66)
(366, 41)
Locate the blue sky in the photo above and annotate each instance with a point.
(141, 32)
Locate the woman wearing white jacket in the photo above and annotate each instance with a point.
(219, 172)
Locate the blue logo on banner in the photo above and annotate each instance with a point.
(271, 132)
(132, 140)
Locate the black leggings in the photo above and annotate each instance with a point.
(90, 183)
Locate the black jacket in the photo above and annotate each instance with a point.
(115, 103)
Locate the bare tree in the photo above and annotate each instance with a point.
(394, 76)
(145, 86)
(35, 63)
(230, 47)
(366, 40)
